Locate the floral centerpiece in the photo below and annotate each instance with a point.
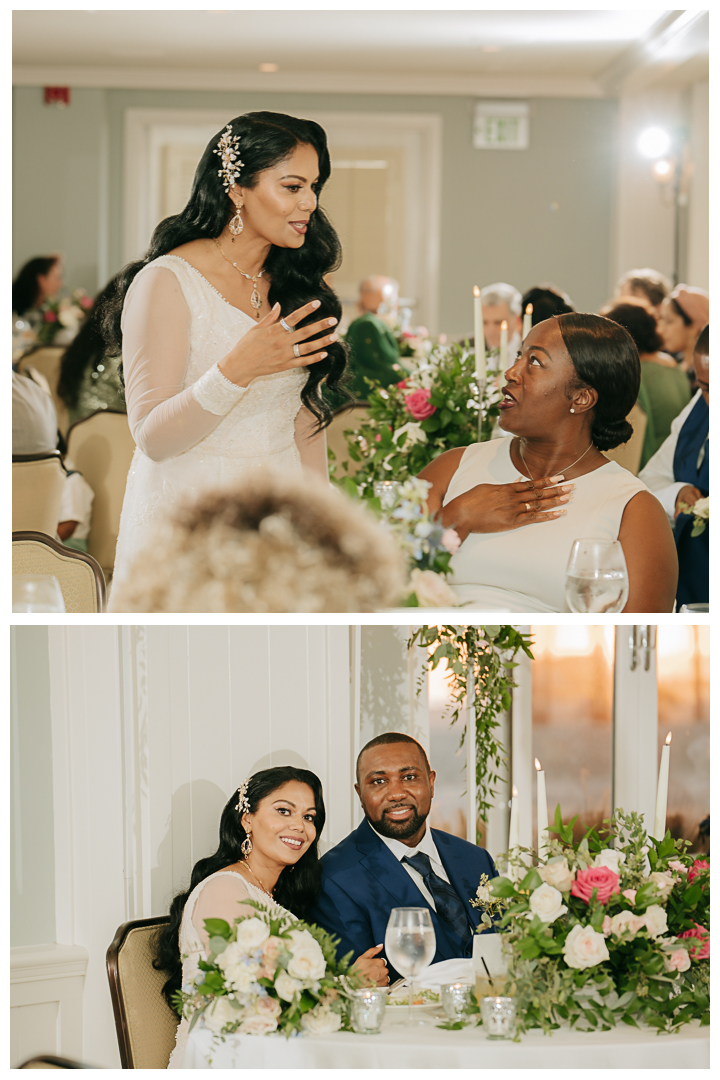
(599, 934)
(434, 409)
(64, 314)
(268, 972)
(699, 512)
(427, 546)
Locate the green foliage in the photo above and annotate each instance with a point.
(489, 653)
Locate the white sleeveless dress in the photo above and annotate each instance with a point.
(194, 430)
(524, 569)
(220, 901)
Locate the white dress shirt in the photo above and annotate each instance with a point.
(658, 475)
(427, 846)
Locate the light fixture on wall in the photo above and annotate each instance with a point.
(654, 142)
(672, 170)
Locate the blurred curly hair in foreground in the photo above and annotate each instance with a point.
(269, 544)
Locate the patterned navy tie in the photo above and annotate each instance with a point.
(448, 904)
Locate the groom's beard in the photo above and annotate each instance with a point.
(399, 830)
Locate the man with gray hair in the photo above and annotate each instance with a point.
(374, 353)
(502, 303)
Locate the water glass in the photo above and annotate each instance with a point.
(597, 577)
(691, 608)
(367, 1009)
(387, 492)
(410, 947)
(37, 592)
(498, 1017)
(456, 1000)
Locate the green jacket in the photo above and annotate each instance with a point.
(373, 354)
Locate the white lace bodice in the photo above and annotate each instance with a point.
(193, 428)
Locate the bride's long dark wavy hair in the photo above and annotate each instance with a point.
(296, 274)
(297, 887)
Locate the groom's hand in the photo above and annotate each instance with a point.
(371, 970)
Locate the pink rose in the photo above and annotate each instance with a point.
(402, 384)
(698, 952)
(377, 438)
(602, 878)
(451, 541)
(86, 302)
(630, 894)
(678, 960)
(418, 404)
(269, 957)
(678, 866)
(697, 867)
(50, 316)
(607, 925)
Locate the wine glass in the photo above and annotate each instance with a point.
(387, 492)
(37, 592)
(597, 577)
(410, 946)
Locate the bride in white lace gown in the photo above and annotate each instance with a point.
(268, 853)
(227, 327)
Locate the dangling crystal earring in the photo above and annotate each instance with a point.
(236, 223)
(246, 846)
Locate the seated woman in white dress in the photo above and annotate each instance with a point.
(227, 326)
(268, 852)
(519, 503)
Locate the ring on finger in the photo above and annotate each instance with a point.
(527, 507)
(296, 351)
(286, 327)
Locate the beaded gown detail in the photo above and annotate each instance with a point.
(194, 430)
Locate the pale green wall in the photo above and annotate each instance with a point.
(497, 221)
(32, 852)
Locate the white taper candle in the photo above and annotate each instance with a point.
(503, 364)
(662, 790)
(479, 336)
(527, 321)
(514, 831)
(542, 812)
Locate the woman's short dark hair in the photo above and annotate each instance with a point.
(25, 288)
(654, 284)
(296, 275)
(679, 311)
(639, 322)
(546, 301)
(605, 358)
(297, 887)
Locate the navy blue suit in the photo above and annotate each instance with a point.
(362, 881)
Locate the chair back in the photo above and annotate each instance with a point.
(346, 418)
(101, 448)
(82, 582)
(144, 1022)
(629, 454)
(37, 490)
(47, 359)
(48, 1061)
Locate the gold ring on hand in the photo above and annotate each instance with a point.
(296, 351)
(527, 507)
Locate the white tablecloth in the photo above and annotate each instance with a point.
(398, 1047)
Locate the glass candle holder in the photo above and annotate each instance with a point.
(387, 492)
(456, 1000)
(498, 1017)
(367, 1010)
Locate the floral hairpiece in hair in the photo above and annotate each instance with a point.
(228, 150)
(243, 803)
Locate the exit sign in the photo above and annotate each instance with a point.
(501, 125)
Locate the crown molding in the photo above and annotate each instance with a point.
(147, 78)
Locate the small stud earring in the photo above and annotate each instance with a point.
(572, 410)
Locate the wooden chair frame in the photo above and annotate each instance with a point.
(53, 1062)
(112, 961)
(44, 456)
(113, 412)
(70, 553)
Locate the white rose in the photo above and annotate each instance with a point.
(558, 874)
(626, 920)
(610, 858)
(70, 318)
(663, 882)
(483, 894)
(307, 961)
(321, 1021)
(239, 970)
(701, 508)
(431, 589)
(584, 948)
(655, 919)
(220, 1013)
(414, 432)
(286, 987)
(546, 903)
(258, 1024)
(678, 960)
(251, 933)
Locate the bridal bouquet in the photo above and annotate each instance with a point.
(699, 512)
(427, 546)
(66, 313)
(265, 973)
(434, 409)
(599, 935)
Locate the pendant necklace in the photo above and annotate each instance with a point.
(255, 299)
(564, 470)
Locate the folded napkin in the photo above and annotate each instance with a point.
(446, 971)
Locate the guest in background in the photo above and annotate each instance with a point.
(679, 475)
(683, 314)
(546, 301)
(374, 352)
(89, 379)
(648, 285)
(393, 859)
(664, 388)
(501, 303)
(272, 543)
(39, 280)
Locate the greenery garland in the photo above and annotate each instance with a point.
(490, 651)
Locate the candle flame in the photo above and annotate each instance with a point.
(515, 792)
(668, 738)
(529, 309)
(476, 291)
(538, 766)
(503, 324)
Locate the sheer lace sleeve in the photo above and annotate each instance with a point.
(164, 418)
(222, 898)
